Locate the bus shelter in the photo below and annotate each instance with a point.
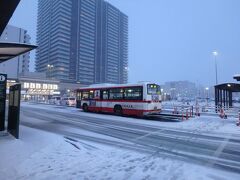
(237, 77)
(223, 94)
(9, 51)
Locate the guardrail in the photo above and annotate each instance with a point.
(198, 110)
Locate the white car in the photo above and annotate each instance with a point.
(55, 100)
(69, 101)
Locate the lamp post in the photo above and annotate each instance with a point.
(215, 54)
(207, 90)
(162, 95)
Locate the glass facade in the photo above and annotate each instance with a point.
(84, 41)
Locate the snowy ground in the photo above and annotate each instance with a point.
(43, 155)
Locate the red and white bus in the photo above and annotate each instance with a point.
(124, 99)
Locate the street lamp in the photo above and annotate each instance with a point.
(207, 89)
(215, 54)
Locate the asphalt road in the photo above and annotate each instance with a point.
(209, 149)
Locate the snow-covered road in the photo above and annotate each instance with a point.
(204, 141)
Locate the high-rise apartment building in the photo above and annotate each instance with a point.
(18, 65)
(82, 41)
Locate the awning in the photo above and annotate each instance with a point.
(7, 8)
(233, 87)
(237, 77)
(11, 50)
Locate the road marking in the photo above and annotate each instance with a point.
(219, 150)
(148, 134)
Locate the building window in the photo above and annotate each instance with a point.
(38, 86)
(55, 87)
(26, 85)
(45, 86)
(32, 85)
(50, 86)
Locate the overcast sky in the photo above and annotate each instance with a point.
(170, 39)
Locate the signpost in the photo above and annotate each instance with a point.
(3, 84)
(14, 110)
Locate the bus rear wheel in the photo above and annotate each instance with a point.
(85, 107)
(118, 110)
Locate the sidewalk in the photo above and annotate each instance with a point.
(40, 155)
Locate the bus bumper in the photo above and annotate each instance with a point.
(152, 112)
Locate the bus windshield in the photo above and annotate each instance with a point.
(153, 89)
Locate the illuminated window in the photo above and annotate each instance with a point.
(32, 85)
(50, 86)
(26, 85)
(55, 87)
(38, 86)
(45, 86)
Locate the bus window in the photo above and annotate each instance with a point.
(134, 93)
(91, 95)
(116, 94)
(105, 94)
(153, 89)
(85, 95)
(97, 94)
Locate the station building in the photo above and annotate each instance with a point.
(37, 87)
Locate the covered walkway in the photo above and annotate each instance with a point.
(223, 94)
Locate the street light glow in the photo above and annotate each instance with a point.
(215, 53)
(50, 66)
(207, 88)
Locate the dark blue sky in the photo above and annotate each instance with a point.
(171, 39)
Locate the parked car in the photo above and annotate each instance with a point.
(55, 100)
(69, 101)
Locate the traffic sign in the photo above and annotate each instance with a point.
(3, 84)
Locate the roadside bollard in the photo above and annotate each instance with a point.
(182, 113)
(238, 123)
(222, 114)
(191, 111)
(197, 113)
(175, 110)
(187, 114)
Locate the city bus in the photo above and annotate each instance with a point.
(140, 99)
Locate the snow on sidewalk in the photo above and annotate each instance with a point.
(40, 155)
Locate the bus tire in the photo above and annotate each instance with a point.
(85, 107)
(118, 110)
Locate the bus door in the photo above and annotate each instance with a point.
(97, 103)
(104, 99)
(79, 97)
